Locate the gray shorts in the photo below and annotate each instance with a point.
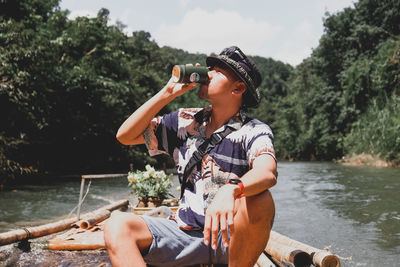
(172, 246)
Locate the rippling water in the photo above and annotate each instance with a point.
(353, 210)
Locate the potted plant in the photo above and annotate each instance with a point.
(150, 186)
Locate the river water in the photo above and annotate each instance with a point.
(355, 211)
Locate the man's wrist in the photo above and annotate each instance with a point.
(238, 187)
(234, 188)
(166, 93)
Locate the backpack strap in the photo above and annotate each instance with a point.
(198, 155)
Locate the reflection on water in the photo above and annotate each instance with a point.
(353, 210)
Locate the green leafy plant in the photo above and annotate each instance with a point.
(150, 183)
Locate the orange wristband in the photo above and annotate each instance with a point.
(240, 184)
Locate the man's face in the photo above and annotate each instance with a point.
(222, 82)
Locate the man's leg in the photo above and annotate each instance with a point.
(126, 236)
(253, 222)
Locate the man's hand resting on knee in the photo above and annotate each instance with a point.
(219, 215)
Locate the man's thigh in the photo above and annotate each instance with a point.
(172, 246)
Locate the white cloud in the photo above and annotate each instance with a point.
(333, 6)
(200, 30)
(210, 32)
(90, 14)
(184, 3)
(124, 17)
(207, 32)
(81, 13)
(298, 43)
(300, 40)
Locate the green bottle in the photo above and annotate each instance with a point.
(190, 74)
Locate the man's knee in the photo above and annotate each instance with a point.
(120, 224)
(261, 208)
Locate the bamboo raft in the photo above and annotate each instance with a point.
(87, 234)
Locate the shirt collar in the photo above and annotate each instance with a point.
(202, 117)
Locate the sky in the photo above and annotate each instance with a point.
(285, 30)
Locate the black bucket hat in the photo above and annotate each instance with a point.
(245, 68)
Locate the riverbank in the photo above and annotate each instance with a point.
(367, 160)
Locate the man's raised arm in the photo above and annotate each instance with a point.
(130, 132)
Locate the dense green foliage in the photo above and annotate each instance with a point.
(377, 131)
(66, 86)
(355, 66)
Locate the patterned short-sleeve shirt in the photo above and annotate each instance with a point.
(181, 132)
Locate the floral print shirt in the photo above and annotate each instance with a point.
(181, 132)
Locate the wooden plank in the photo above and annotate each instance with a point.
(79, 239)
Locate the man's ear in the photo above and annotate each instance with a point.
(240, 88)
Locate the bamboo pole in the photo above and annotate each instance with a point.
(321, 258)
(100, 176)
(263, 261)
(74, 245)
(274, 260)
(50, 228)
(93, 219)
(34, 232)
(122, 204)
(288, 254)
(78, 214)
(141, 211)
(93, 176)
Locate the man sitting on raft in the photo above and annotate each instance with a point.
(226, 211)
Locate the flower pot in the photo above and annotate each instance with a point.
(142, 202)
(153, 202)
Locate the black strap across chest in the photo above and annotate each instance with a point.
(198, 155)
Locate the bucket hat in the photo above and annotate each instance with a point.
(246, 70)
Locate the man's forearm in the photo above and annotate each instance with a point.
(130, 131)
(261, 177)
